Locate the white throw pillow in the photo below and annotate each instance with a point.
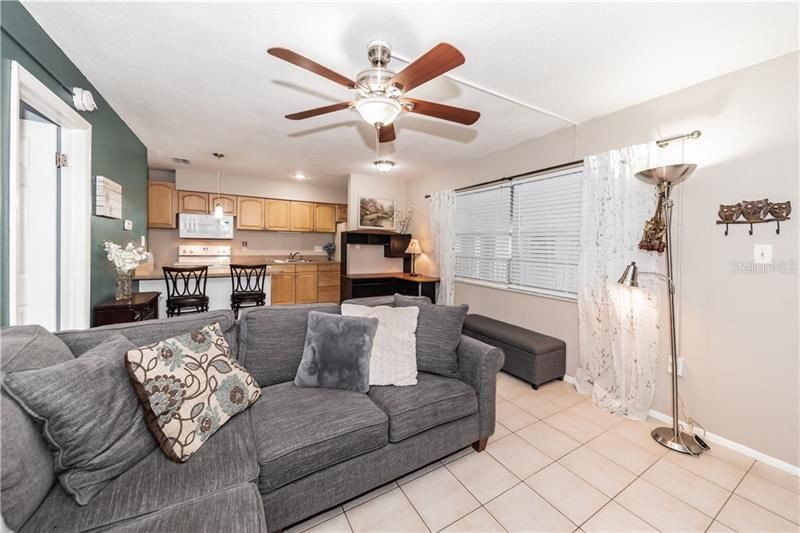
(394, 350)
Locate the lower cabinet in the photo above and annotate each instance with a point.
(305, 287)
(282, 288)
(305, 284)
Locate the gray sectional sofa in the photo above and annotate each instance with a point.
(294, 453)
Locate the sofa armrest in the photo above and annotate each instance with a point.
(478, 364)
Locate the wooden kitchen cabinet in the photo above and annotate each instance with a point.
(278, 215)
(305, 285)
(302, 216)
(162, 204)
(325, 218)
(341, 212)
(250, 212)
(328, 283)
(282, 288)
(193, 202)
(227, 201)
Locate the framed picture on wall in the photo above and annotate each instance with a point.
(374, 213)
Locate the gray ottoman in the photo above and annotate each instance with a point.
(531, 356)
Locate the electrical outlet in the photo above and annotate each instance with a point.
(318, 248)
(127, 225)
(680, 366)
(762, 253)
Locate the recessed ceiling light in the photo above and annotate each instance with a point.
(181, 161)
(299, 176)
(384, 165)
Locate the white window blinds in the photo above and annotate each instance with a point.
(524, 235)
(483, 234)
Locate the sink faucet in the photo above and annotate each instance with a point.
(293, 255)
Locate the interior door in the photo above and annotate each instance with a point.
(37, 228)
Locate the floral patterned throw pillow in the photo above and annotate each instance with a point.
(189, 386)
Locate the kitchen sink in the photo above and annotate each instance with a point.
(281, 261)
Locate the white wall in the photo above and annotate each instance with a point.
(192, 180)
(738, 331)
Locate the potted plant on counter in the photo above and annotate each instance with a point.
(125, 261)
(330, 249)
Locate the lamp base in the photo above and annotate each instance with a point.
(684, 444)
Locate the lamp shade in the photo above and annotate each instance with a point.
(630, 276)
(413, 247)
(672, 174)
(378, 110)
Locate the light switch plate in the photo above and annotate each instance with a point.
(317, 248)
(762, 253)
(127, 225)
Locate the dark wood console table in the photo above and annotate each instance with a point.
(141, 306)
(384, 284)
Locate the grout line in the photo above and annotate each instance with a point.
(751, 501)
(414, 507)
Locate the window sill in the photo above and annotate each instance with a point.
(521, 290)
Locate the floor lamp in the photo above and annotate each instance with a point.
(664, 178)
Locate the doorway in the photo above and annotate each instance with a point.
(49, 208)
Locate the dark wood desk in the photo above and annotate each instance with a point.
(387, 283)
(141, 306)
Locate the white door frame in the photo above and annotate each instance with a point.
(76, 198)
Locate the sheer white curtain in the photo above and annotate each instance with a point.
(618, 326)
(443, 233)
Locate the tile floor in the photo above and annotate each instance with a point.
(558, 463)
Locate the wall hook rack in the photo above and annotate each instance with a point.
(750, 231)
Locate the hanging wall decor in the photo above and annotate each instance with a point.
(754, 212)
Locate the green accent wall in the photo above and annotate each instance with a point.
(117, 152)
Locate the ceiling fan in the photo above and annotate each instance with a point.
(381, 92)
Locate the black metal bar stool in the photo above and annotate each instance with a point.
(247, 283)
(186, 289)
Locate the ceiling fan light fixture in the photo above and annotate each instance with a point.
(384, 165)
(378, 110)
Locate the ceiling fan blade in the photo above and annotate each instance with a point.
(319, 111)
(303, 62)
(444, 112)
(441, 58)
(386, 133)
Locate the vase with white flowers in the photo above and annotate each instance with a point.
(404, 217)
(125, 261)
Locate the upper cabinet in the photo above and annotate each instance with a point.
(162, 204)
(278, 215)
(341, 212)
(302, 216)
(250, 212)
(325, 218)
(227, 201)
(193, 202)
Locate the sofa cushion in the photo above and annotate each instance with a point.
(433, 401)
(89, 414)
(337, 352)
(26, 479)
(235, 510)
(299, 431)
(394, 350)
(226, 460)
(271, 340)
(151, 331)
(438, 334)
(189, 386)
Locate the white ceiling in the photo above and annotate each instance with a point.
(191, 79)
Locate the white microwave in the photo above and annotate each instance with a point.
(192, 226)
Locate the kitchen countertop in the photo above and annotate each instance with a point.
(144, 273)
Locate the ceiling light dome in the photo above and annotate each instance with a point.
(378, 110)
(384, 165)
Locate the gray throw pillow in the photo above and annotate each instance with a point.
(337, 352)
(90, 416)
(438, 335)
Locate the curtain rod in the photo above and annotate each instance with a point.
(515, 176)
(662, 143)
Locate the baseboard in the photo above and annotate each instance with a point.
(727, 443)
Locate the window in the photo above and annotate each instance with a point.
(523, 235)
